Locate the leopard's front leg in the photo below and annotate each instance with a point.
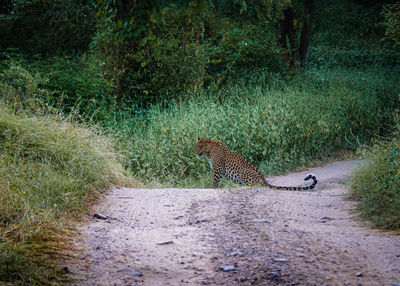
(216, 176)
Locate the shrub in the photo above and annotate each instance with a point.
(76, 83)
(22, 89)
(62, 84)
(376, 184)
(391, 23)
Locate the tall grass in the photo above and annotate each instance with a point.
(50, 171)
(278, 124)
(376, 184)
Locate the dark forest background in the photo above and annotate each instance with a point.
(96, 53)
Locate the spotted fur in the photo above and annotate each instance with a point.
(224, 162)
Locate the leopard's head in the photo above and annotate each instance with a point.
(203, 146)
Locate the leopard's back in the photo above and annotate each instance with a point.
(241, 171)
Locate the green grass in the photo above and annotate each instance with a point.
(277, 123)
(376, 184)
(50, 172)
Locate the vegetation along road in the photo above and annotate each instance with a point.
(238, 236)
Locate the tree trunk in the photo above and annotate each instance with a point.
(286, 33)
(309, 8)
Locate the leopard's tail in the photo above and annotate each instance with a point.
(310, 187)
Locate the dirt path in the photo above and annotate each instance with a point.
(261, 236)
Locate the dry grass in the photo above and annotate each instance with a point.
(51, 171)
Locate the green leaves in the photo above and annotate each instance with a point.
(159, 51)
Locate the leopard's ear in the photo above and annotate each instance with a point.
(198, 138)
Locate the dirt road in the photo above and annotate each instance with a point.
(236, 237)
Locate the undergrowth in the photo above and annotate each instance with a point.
(50, 172)
(376, 184)
(279, 124)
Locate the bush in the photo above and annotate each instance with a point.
(76, 83)
(391, 23)
(64, 84)
(277, 126)
(50, 171)
(22, 89)
(376, 184)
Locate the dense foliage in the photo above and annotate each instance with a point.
(115, 53)
(392, 23)
(45, 27)
(162, 49)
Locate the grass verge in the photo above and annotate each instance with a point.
(50, 172)
(376, 184)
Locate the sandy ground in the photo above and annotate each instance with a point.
(237, 236)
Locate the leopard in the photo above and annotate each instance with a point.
(224, 162)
